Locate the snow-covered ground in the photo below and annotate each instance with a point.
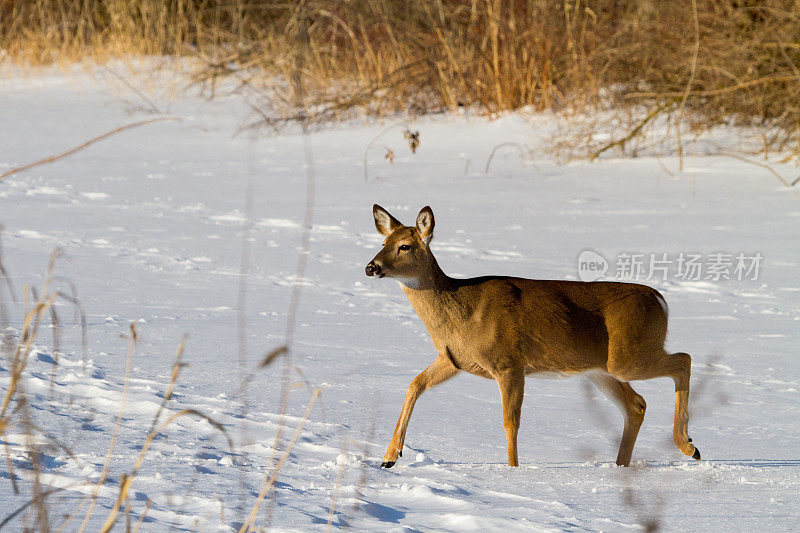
(151, 222)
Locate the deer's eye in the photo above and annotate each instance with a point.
(405, 247)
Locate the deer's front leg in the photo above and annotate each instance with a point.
(440, 370)
(512, 390)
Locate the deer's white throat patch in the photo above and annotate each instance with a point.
(411, 283)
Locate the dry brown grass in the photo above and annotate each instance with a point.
(704, 62)
(15, 400)
(16, 411)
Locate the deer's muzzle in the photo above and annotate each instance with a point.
(373, 269)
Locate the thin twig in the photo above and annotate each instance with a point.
(679, 114)
(298, 94)
(152, 107)
(241, 322)
(760, 164)
(635, 131)
(716, 92)
(503, 145)
(90, 142)
(297, 288)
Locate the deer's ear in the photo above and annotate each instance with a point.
(425, 224)
(384, 222)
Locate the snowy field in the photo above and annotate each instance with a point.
(151, 223)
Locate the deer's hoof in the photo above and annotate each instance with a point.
(389, 464)
(696, 454)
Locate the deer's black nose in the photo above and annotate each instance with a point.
(372, 269)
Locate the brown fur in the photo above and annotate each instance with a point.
(504, 328)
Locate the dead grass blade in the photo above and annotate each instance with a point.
(127, 479)
(142, 516)
(133, 339)
(337, 482)
(16, 512)
(269, 479)
(177, 366)
(4, 272)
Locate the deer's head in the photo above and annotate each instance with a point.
(405, 254)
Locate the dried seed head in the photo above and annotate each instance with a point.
(413, 139)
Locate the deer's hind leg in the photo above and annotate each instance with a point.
(626, 365)
(636, 333)
(680, 431)
(630, 404)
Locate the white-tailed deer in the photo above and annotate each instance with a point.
(503, 328)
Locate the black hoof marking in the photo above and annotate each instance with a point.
(696, 454)
(389, 464)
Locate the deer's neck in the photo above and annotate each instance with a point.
(435, 298)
